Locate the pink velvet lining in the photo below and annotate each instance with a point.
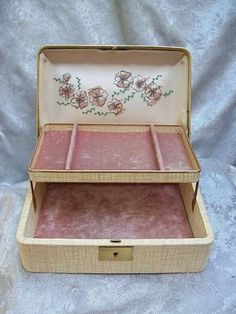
(54, 150)
(157, 148)
(174, 154)
(71, 148)
(113, 151)
(112, 211)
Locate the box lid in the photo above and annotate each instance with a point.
(114, 84)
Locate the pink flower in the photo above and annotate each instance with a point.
(153, 93)
(66, 91)
(123, 79)
(139, 83)
(80, 100)
(115, 106)
(66, 77)
(97, 96)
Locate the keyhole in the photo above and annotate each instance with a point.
(115, 254)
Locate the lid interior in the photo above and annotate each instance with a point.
(113, 85)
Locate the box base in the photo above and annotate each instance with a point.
(113, 211)
(82, 255)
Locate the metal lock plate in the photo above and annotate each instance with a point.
(115, 253)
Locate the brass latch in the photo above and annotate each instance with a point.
(115, 253)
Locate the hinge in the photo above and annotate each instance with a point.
(195, 195)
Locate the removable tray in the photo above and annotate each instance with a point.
(113, 153)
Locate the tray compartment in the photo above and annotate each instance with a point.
(113, 211)
(114, 151)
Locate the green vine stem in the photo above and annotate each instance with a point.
(78, 83)
(100, 113)
(62, 103)
(88, 111)
(130, 96)
(59, 80)
(143, 97)
(168, 93)
(91, 110)
(121, 91)
(156, 78)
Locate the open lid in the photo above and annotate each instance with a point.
(114, 84)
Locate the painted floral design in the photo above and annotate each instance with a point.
(153, 93)
(66, 90)
(123, 79)
(66, 77)
(97, 101)
(80, 100)
(115, 106)
(97, 96)
(139, 83)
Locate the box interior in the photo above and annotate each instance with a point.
(109, 147)
(114, 212)
(113, 85)
(97, 86)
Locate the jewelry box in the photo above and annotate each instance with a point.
(114, 181)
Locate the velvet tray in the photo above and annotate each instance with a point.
(113, 153)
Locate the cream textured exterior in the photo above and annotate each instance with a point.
(149, 256)
(111, 177)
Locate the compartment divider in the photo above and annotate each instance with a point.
(157, 148)
(71, 147)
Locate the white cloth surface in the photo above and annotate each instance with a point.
(208, 30)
